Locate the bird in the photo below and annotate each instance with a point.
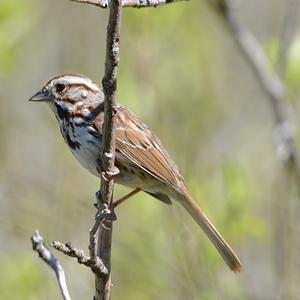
(143, 162)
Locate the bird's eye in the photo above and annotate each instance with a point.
(59, 87)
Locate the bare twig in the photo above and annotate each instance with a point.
(129, 3)
(95, 264)
(109, 82)
(93, 261)
(93, 236)
(46, 255)
(269, 81)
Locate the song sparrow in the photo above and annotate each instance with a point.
(142, 160)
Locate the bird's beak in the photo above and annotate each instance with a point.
(42, 95)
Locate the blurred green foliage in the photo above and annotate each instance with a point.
(180, 73)
(20, 278)
(293, 70)
(15, 19)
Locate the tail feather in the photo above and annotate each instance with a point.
(223, 248)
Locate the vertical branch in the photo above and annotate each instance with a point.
(109, 82)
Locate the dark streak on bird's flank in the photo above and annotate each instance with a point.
(72, 144)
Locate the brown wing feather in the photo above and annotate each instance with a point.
(138, 144)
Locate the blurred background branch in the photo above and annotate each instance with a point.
(269, 80)
(48, 257)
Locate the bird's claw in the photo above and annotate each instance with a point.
(104, 212)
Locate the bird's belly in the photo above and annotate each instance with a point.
(84, 145)
(88, 157)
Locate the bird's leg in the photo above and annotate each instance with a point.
(104, 208)
(104, 212)
(126, 197)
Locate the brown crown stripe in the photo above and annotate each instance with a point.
(64, 75)
(70, 75)
(84, 86)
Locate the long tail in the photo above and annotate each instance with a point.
(223, 248)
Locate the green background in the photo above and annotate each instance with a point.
(183, 75)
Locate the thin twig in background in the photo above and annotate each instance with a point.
(129, 3)
(46, 255)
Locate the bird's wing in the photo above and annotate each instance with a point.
(141, 148)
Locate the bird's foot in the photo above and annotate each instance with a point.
(105, 213)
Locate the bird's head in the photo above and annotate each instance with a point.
(68, 94)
